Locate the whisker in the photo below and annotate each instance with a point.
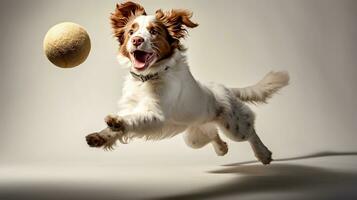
(155, 48)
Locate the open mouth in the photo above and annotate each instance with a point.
(142, 59)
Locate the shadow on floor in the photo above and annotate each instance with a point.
(305, 182)
(313, 155)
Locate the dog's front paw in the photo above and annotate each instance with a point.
(114, 122)
(95, 140)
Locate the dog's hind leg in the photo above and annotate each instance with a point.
(236, 121)
(199, 136)
(260, 150)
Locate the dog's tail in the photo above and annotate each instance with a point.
(264, 89)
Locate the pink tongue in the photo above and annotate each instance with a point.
(140, 60)
(138, 64)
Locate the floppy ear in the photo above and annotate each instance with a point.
(122, 15)
(176, 21)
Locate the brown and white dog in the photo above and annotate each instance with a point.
(161, 98)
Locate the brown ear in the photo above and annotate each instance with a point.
(123, 13)
(176, 21)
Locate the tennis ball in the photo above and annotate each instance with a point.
(67, 44)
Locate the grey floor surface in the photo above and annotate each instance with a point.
(324, 175)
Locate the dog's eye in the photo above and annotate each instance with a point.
(153, 32)
(131, 32)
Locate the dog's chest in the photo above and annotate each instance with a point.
(177, 96)
(164, 96)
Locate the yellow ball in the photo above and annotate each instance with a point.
(67, 44)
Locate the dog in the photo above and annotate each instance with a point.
(161, 98)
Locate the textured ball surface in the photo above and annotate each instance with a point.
(67, 44)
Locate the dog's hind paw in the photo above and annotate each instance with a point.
(221, 148)
(264, 157)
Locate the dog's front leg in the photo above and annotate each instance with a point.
(138, 122)
(118, 126)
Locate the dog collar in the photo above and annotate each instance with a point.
(144, 78)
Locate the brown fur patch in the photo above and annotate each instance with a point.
(176, 21)
(123, 14)
(160, 40)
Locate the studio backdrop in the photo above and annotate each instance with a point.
(46, 111)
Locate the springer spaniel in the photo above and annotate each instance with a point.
(161, 98)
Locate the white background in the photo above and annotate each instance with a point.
(45, 111)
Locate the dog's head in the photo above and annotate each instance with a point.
(148, 39)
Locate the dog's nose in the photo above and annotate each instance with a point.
(137, 40)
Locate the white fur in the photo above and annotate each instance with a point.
(177, 103)
(264, 89)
